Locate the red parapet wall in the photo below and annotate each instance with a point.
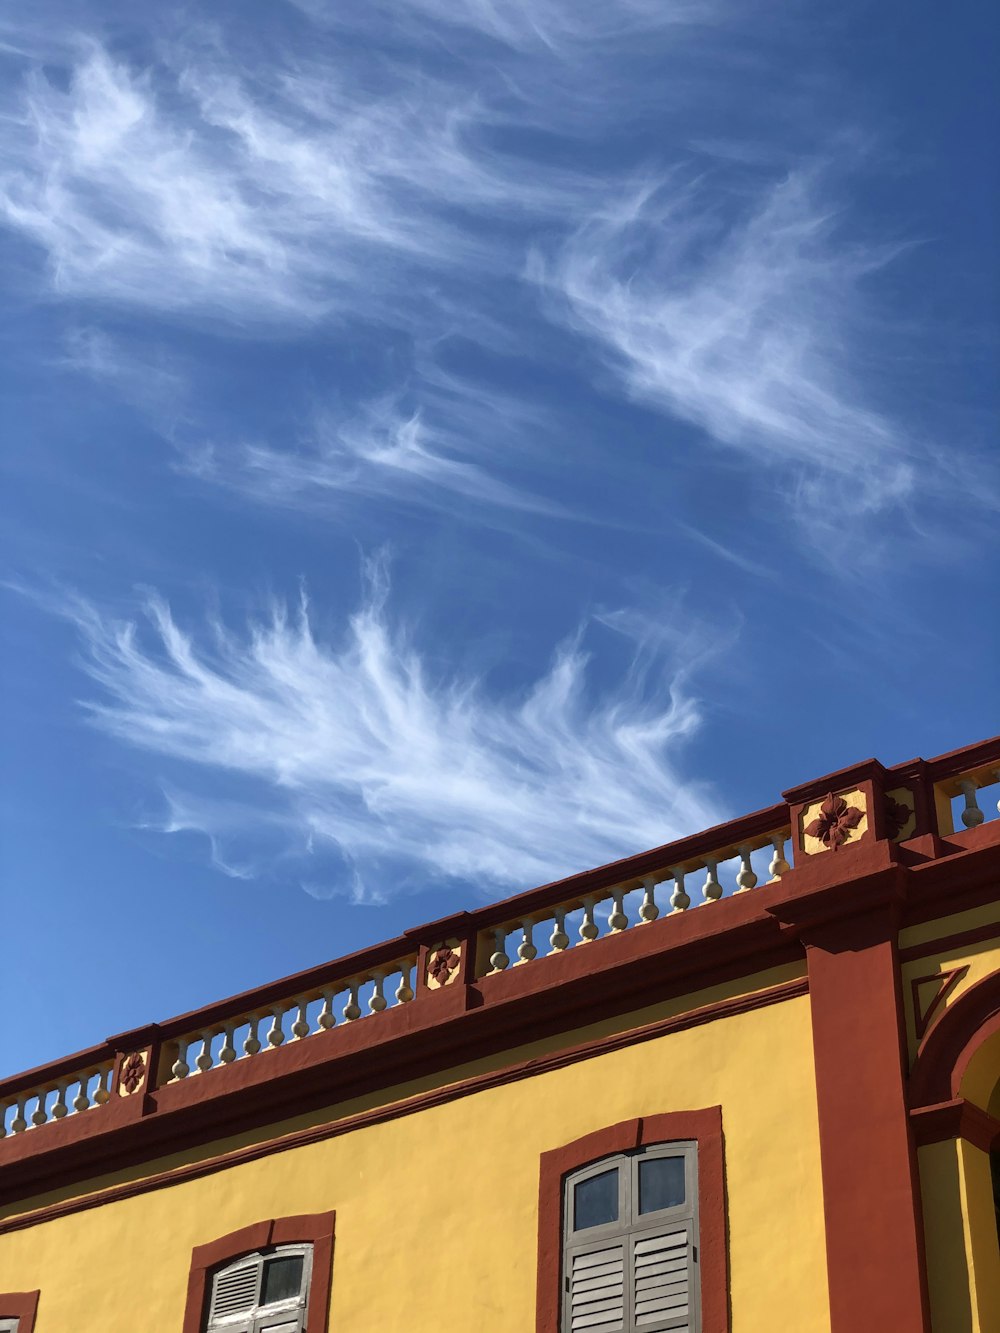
(477, 983)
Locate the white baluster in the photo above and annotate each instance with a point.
(680, 901)
(227, 1051)
(179, 1068)
(352, 1010)
(404, 991)
(498, 958)
(711, 889)
(745, 879)
(204, 1061)
(779, 866)
(103, 1093)
(38, 1116)
(300, 1028)
(327, 1019)
(526, 951)
(589, 929)
(59, 1107)
(559, 940)
(20, 1122)
(617, 920)
(648, 910)
(972, 816)
(252, 1043)
(378, 1001)
(81, 1102)
(276, 1036)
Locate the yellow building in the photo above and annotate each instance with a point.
(700, 1089)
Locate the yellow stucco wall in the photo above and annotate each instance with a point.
(963, 1258)
(437, 1210)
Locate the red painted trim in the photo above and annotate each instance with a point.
(947, 1049)
(705, 1127)
(479, 1019)
(631, 868)
(922, 1018)
(316, 1229)
(975, 935)
(513, 1073)
(634, 867)
(645, 965)
(875, 1264)
(22, 1305)
(957, 762)
(957, 1119)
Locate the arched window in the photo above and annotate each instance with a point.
(640, 1205)
(630, 1243)
(270, 1277)
(262, 1292)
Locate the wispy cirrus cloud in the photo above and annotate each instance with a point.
(365, 766)
(411, 194)
(743, 318)
(454, 442)
(559, 27)
(291, 193)
(154, 383)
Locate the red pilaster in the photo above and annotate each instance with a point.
(874, 1233)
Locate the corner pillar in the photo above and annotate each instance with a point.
(874, 1236)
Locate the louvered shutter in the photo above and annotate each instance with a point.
(662, 1278)
(278, 1324)
(634, 1268)
(597, 1290)
(235, 1291)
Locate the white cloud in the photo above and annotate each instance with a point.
(283, 194)
(375, 191)
(152, 382)
(194, 198)
(745, 326)
(373, 768)
(454, 444)
(553, 26)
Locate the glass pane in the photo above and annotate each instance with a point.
(661, 1183)
(282, 1278)
(595, 1201)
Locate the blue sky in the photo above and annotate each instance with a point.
(449, 445)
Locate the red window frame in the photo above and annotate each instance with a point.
(22, 1305)
(705, 1128)
(316, 1229)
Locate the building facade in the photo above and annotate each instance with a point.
(746, 1082)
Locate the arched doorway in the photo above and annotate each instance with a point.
(955, 1108)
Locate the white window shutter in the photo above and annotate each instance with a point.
(662, 1278)
(235, 1290)
(597, 1290)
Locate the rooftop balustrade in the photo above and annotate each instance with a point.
(391, 993)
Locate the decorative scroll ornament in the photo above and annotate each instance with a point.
(442, 966)
(133, 1071)
(835, 822)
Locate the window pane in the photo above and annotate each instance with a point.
(282, 1278)
(661, 1183)
(595, 1201)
